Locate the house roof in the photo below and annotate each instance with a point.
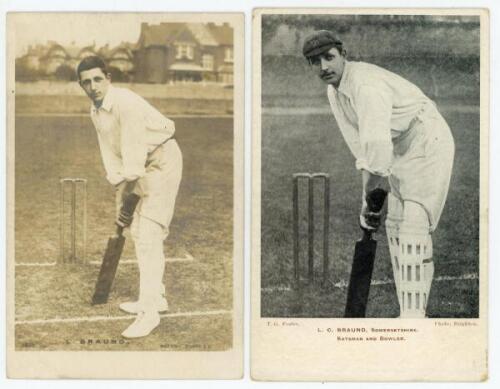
(72, 51)
(184, 35)
(223, 34)
(158, 35)
(37, 51)
(202, 34)
(122, 47)
(104, 51)
(90, 48)
(166, 33)
(51, 47)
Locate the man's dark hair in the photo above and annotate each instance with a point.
(91, 62)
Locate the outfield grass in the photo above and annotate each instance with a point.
(49, 148)
(313, 143)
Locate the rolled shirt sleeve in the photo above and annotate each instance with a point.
(374, 109)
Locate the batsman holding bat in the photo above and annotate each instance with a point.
(140, 157)
(395, 132)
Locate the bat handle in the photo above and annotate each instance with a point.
(367, 234)
(119, 230)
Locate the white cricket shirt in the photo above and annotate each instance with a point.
(373, 106)
(128, 127)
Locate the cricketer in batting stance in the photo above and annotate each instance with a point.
(395, 132)
(140, 155)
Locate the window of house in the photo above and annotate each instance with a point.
(227, 78)
(207, 61)
(184, 51)
(228, 54)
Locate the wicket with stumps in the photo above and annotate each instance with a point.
(311, 178)
(74, 184)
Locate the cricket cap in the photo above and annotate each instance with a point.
(319, 42)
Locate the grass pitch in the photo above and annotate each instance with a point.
(313, 143)
(49, 148)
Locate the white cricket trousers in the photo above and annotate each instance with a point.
(152, 220)
(423, 163)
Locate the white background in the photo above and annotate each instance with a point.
(246, 7)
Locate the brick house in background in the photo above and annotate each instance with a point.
(224, 35)
(168, 52)
(177, 52)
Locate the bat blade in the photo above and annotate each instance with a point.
(113, 254)
(363, 260)
(108, 269)
(361, 275)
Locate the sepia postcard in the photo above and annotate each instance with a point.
(125, 195)
(370, 195)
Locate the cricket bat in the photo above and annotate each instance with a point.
(362, 263)
(112, 255)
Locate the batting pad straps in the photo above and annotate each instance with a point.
(393, 221)
(392, 230)
(415, 249)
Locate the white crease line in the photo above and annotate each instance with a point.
(188, 258)
(123, 317)
(35, 264)
(343, 284)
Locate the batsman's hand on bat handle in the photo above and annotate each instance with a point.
(125, 188)
(124, 219)
(127, 210)
(128, 189)
(371, 215)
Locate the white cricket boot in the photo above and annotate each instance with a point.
(144, 323)
(135, 307)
